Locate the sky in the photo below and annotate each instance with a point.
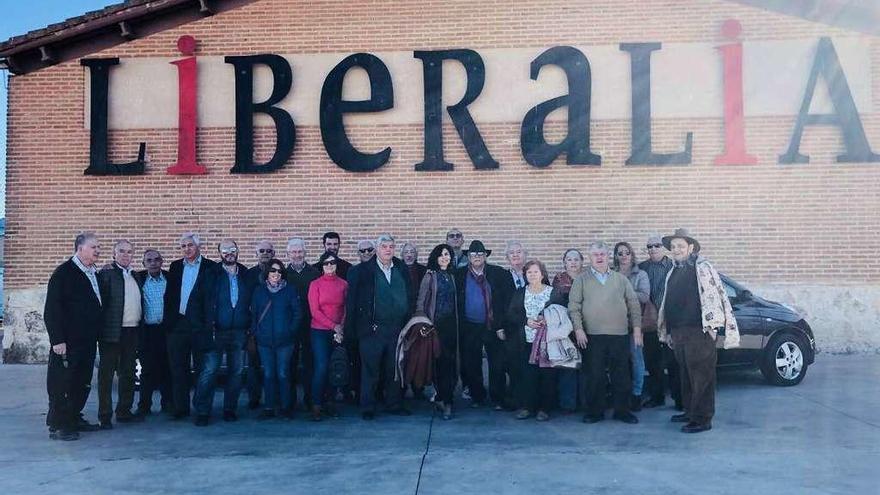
(17, 17)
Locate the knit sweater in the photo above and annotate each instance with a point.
(609, 309)
(327, 301)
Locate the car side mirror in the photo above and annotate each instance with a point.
(745, 295)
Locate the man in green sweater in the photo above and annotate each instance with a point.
(603, 307)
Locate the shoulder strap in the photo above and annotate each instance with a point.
(263, 314)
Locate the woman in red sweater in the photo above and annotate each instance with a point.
(327, 305)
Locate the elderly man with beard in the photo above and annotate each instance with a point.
(695, 310)
(226, 298)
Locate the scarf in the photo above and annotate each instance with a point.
(281, 284)
(487, 293)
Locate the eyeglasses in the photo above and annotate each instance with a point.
(455, 235)
(329, 263)
(229, 251)
(366, 250)
(477, 254)
(265, 251)
(275, 270)
(652, 246)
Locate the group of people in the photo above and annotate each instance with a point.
(606, 327)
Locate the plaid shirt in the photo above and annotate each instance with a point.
(154, 298)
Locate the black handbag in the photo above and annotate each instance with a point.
(339, 367)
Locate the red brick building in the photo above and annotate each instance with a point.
(797, 231)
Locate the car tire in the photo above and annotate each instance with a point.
(784, 360)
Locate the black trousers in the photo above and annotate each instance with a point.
(695, 351)
(446, 365)
(117, 358)
(68, 386)
(378, 362)
(536, 386)
(185, 364)
(155, 373)
(302, 365)
(474, 338)
(352, 345)
(608, 354)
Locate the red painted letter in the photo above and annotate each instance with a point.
(186, 110)
(734, 129)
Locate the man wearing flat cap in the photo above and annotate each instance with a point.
(694, 311)
(482, 289)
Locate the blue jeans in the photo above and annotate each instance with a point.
(276, 376)
(567, 384)
(638, 367)
(232, 345)
(322, 346)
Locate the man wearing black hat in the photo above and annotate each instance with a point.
(481, 288)
(694, 311)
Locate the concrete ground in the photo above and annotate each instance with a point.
(821, 437)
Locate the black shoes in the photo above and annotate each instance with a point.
(230, 416)
(368, 415)
(654, 402)
(680, 418)
(593, 418)
(693, 427)
(129, 418)
(201, 420)
(400, 411)
(64, 435)
(635, 403)
(83, 425)
(626, 417)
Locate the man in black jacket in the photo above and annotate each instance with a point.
(377, 307)
(484, 290)
(227, 300)
(73, 318)
(300, 274)
(185, 278)
(118, 339)
(265, 252)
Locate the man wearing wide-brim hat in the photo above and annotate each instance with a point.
(694, 311)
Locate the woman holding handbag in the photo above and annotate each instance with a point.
(625, 263)
(327, 306)
(276, 312)
(437, 301)
(535, 385)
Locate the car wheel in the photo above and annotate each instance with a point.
(783, 361)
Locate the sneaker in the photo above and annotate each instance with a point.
(523, 414)
(542, 416)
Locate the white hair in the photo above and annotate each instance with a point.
(384, 238)
(191, 236)
(513, 244)
(366, 242)
(296, 241)
(402, 248)
(598, 246)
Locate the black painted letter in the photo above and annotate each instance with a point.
(99, 79)
(333, 108)
(845, 116)
(642, 153)
(432, 63)
(245, 108)
(576, 144)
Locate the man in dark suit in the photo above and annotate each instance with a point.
(483, 292)
(377, 307)
(152, 341)
(73, 317)
(409, 253)
(301, 275)
(184, 322)
(118, 339)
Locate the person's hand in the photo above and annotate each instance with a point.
(60, 349)
(500, 334)
(535, 324)
(638, 338)
(337, 336)
(338, 328)
(669, 342)
(581, 338)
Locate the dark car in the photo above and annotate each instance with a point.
(773, 337)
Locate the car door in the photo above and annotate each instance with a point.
(750, 320)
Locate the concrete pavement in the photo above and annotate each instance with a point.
(821, 437)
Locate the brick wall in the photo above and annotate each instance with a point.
(764, 223)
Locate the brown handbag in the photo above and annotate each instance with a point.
(649, 317)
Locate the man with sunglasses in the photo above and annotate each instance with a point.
(331, 242)
(455, 239)
(264, 251)
(366, 251)
(185, 279)
(226, 311)
(658, 356)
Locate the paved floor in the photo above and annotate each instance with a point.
(821, 437)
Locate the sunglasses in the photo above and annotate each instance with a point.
(476, 254)
(275, 270)
(365, 251)
(651, 246)
(454, 236)
(265, 251)
(329, 263)
(229, 251)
